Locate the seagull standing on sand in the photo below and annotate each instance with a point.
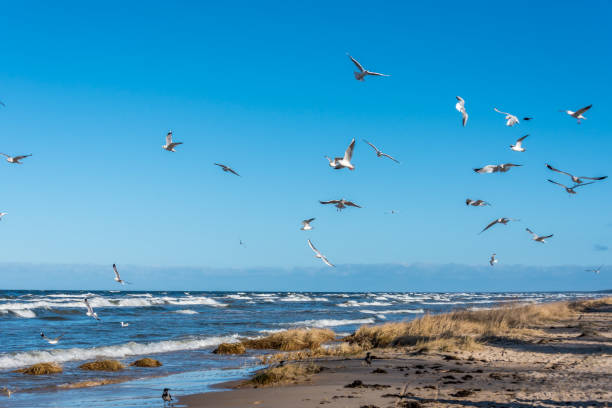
(476, 203)
(502, 220)
(570, 190)
(169, 146)
(306, 224)
(460, 106)
(368, 359)
(577, 180)
(493, 260)
(319, 254)
(226, 168)
(511, 120)
(124, 324)
(166, 395)
(578, 114)
(360, 76)
(495, 168)
(379, 153)
(342, 162)
(518, 147)
(117, 277)
(90, 311)
(15, 159)
(49, 340)
(596, 271)
(538, 238)
(340, 204)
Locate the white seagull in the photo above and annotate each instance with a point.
(476, 203)
(538, 238)
(340, 204)
(2, 214)
(306, 224)
(124, 324)
(596, 271)
(460, 106)
(226, 168)
(570, 190)
(577, 180)
(90, 311)
(578, 114)
(117, 277)
(379, 153)
(342, 162)
(493, 260)
(511, 120)
(15, 159)
(518, 147)
(169, 146)
(496, 168)
(50, 340)
(360, 76)
(319, 254)
(502, 220)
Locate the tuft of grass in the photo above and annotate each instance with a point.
(147, 362)
(103, 365)
(292, 340)
(230, 348)
(336, 350)
(290, 373)
(41, 369)
(584, 305)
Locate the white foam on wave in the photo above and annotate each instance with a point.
(186, 311)
(238, 297)
(375, 312)
(21, 359)
(331, 322)
(27, 314)
(296, 298)
(354, 303)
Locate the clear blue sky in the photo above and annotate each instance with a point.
(266, 87)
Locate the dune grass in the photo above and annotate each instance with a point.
(103, 365)
(147, 362)
(230, 348)
(336, 350)
(292, 340)
(42, 369)
(583, 305)
(290, 373)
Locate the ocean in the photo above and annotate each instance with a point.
(181, 329)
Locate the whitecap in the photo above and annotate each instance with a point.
(331, 322)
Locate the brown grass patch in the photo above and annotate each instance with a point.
(42, 369)
(335, 350)
(583, 305)
(147, 362)
(290, 373)
(230, 348)
(103, 365)
(292, 340)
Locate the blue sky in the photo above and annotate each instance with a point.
(91, 90)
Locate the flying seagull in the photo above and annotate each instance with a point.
(242, 244)
(15, 159)
(342, 162)
(570, 190)
(124, 324)
(511, 120)
(578, 114)
(226, 168)
(2, 214)
(360, 76)
(117, 277)
(577, 180)
(538, 238)
(596, 271)
(50, 340)
(518, 147)
(392, 212)
(90, 311)
(378, 152)
(528, 118)
(476, 203)
(319, 254)
(493, 260)
(340, 204)
(460, 106)
(495, 168)
(166, 395)
(502, 220)
(169, 146)
(306, 224)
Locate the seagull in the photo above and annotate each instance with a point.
(166, 395)
(502, 220)
(117, 277)
(528, 118)
(578, 114)
(379, 153)
(460, 106)
(169, 146)
(570, 190)
(493, 260)
(90, 311)
(596, 271)
(511, 120)
(392, 212)
(2, 214)
(7, 392)
(368, 358)
(226, 168)
(342, 162)
(494, 168)
(577, 180)
(538, 238)
(242, 244)
(319, 254)
(15, 159)
(49, 340)
(340, 204)
(518, 147)
(306, 224)
(360, 76)
(124, 324)
(476, 203)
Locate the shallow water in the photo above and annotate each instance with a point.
(180, 329)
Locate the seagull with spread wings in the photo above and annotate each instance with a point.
(511, 120)
(577, 180)
(476, 203)
(596, 271)
(460, 106)
(226, 168)
(360, 76)
(518, 146)
(90, 311)
(570, 190)
(15, 159)
(502, 220)
(380, 153)
(538, 238)
(170, 145)
(340, 204)
(343, 162)
(2, 214)
(496, 168)
(319, 254)
(117, 277)
(493, 260)
(578, 114)
(306, 224)
(51, 340)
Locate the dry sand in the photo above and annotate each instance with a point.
(569, 364)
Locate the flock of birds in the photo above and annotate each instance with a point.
(345, 162)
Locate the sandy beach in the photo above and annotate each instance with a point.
(567, 362)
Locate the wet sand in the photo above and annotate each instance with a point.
(566, 364)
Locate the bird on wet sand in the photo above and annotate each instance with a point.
(368, 359)
(166, 395)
